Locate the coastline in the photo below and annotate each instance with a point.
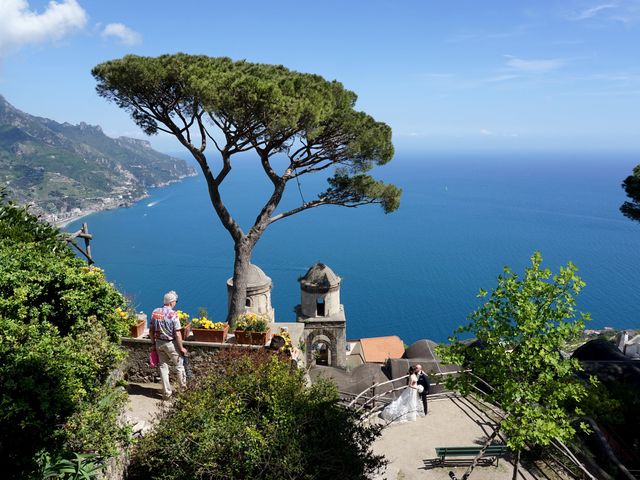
(73, 218)
(95, 208)
(54, 219)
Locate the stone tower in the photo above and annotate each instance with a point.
(258, 292)
(323, 317)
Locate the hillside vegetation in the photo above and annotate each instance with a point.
(59, 167)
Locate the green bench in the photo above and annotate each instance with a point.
(492, 451)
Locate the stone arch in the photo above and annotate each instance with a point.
(323, 337)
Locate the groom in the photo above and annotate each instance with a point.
(424, 381)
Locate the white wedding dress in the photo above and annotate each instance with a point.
(407, 407)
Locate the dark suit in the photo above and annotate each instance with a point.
(423, 380)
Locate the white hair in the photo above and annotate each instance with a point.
(170, 297)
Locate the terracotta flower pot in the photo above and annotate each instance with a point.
(252, 338)
(137, 330)
(208, 335)
(185, 331)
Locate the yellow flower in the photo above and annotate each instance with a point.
(204, 322)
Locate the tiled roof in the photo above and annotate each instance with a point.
(378, 349)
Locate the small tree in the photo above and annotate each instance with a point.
(631, 186)
(520, 331)
(267, 109)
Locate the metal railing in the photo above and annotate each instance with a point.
(381, 395)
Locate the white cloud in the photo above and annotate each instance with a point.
(409, 134)
(622, 11)
(124, 34)
(19, 25)
(593, 11)
(534, 66)
(502, 78)
(466, 36)
(498, 134)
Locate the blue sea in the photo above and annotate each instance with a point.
(414, 273)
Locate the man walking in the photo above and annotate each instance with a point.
(165, 335)
(423, 380)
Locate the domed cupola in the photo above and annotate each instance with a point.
(258, 292)
(320, 292)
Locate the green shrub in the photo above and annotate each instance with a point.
(252, 416)
(58, 347)
(41, 286)
(17, 224)
(94, 426)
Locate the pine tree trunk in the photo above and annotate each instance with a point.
(238, 299)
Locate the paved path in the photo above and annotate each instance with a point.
(452, 422)
(145, 401)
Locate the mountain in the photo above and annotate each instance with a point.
(65, 170)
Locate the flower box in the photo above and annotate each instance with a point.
(245, 337)
(209, 335)
(137, 330)
(185, 331)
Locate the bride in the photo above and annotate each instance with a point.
(407, 407)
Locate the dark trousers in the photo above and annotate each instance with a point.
(423, 397)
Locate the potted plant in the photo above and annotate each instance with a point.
(185, 324)
(137, 323)
(252, 329)
(204, 330)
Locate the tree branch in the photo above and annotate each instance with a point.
(266, 166)
(226, 167)
(306, 206)
(186, 124)
(315, 169)
(203, 134)
(226, 219)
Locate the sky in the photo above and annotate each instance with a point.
(448, 76)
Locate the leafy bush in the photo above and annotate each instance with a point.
(252, 416)
(17, 224)
(38, 285)
(59, 344)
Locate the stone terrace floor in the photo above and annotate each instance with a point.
(452, 421)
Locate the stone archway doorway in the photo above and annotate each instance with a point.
(322, 350)
(321, 353)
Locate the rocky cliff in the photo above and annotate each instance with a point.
(63, 170)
